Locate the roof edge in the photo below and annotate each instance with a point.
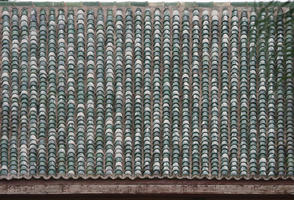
(146, 177)
(145, 4)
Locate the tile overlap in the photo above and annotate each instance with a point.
(145, 92)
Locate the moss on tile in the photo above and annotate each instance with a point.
(108, 3)
(91, 3)
(6, 3)
(123, 4)
(171, 4)
(42, 4)
(204, 4)
(58, 4)
(139, 4)
(190, 4)
(25, 3)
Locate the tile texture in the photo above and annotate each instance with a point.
(139, 92)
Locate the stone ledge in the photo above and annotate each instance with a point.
(142, 187)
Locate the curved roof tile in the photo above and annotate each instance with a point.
(178, 93)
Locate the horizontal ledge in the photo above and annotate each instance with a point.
(142, 187)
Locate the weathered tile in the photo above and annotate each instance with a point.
(138, 90)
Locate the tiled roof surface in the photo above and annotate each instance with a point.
(145, 92)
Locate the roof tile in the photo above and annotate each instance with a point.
(146, 93)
